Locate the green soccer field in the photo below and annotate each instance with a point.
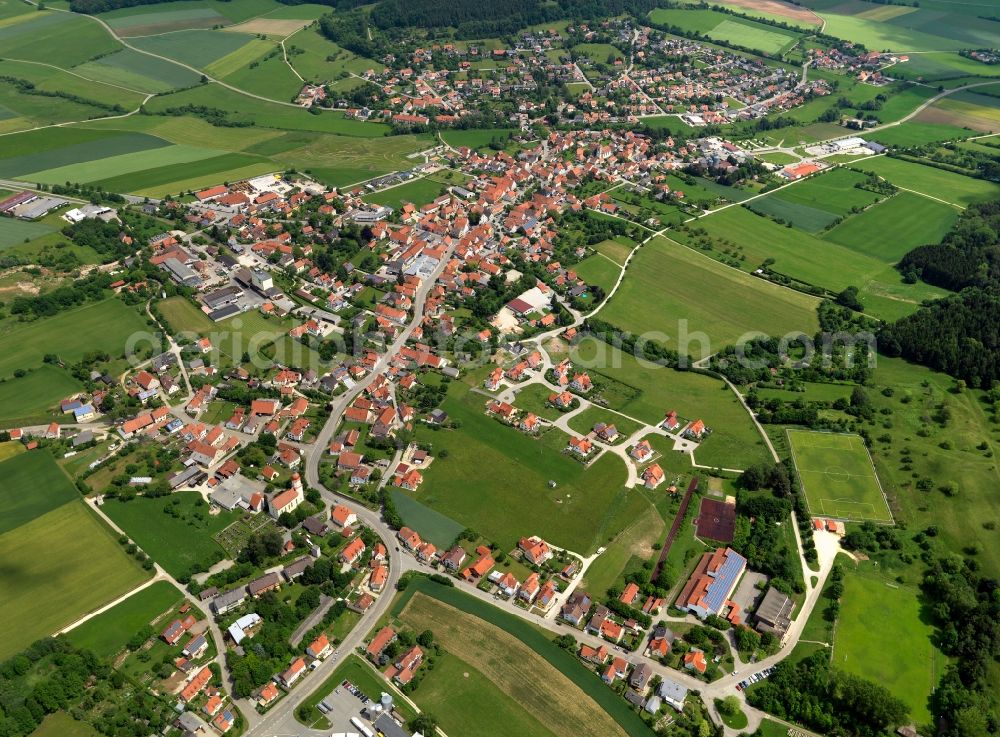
(838, 476)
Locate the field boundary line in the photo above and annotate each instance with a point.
(76, 74)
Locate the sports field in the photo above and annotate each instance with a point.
(838, 476)
(880, 620)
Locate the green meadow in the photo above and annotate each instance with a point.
(647, 392)
(107, 633)
(176, 531)
(58, 567)
(575, 514)
(895, 226)
(34, 398)
(668, 283)
(934, 183)
(113, 166)
(874, 652)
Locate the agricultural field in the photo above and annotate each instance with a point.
(739, 233)
(933, 183)
(61, 39)
(242, 109)
(876, 34)
(122, 164)
(647, 392)
(895, 226)
(48, 79)
(176, 531)
(943, 67)
(196, 48)
(688, 297)
(917, 133)
(729, 29)
(524, 686)
(864, 650)
(175, 178)
(966, 109)
(340, 160)
(58, 566)
(573, 515)
(838, 476)
(34, 398)
(35, 472)
(104, 326)
(107, 633)
(266, 75)
(68, 148)
(814, 204)
(138, 71)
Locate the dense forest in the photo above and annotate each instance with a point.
(469, 18)
(968, 256)
(957, 335)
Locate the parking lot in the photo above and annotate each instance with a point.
(339, 706)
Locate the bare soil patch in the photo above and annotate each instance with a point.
(776, 7)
